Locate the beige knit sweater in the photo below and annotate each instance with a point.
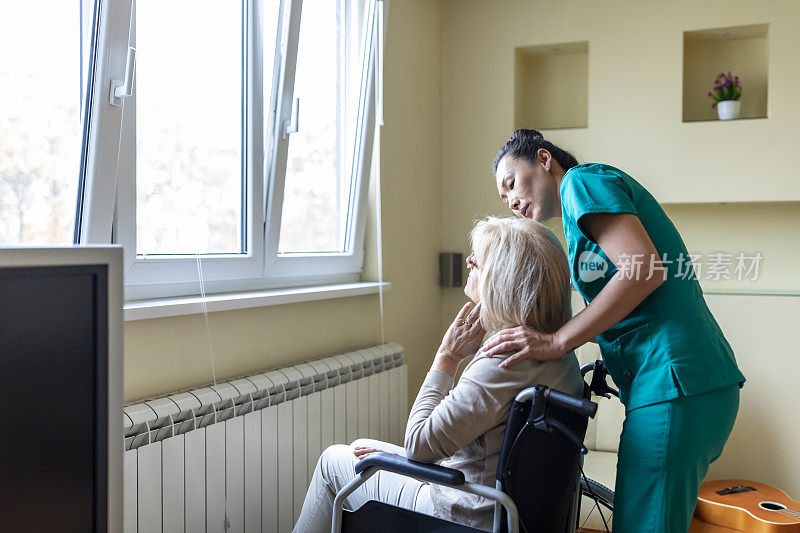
(463, 427)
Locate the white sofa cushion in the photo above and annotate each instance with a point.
(608, 424)
(601, 467)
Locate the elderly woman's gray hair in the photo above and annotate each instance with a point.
(524, 276)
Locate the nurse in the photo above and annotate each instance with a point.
(676, 373)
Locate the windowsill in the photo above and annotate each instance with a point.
(190, 305)
(739, 292)
(764, 292)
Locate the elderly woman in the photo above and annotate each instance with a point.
(519, 276)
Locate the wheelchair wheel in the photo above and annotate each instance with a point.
(596, 503)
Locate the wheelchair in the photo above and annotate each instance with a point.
(539, 483)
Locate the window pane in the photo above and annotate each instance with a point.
(189, 127)
(40, 119)
(317, 176)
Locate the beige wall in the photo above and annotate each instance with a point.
(163, 355)
(772, 229)
(635, 94)
(635, 122)
(763, 444)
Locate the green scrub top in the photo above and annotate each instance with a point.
(670, 343)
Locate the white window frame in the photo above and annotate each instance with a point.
(109, 200)
(95, 211)
(164, 275)
(317, 265)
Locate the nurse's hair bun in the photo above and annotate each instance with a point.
(525, 144)
(535, 134)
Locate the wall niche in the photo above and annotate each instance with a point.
(551, 86)
(742, 50)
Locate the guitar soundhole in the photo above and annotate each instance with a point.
(772, 506)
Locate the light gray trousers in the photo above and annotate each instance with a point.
(336, 468)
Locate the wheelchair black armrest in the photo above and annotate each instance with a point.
(401, 465)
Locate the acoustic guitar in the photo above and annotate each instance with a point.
(747, 506)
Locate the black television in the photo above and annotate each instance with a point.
(61, 389)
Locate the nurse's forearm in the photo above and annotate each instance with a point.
(617, 299)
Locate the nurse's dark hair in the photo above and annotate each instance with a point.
(525, 144)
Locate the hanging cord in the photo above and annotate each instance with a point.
(226, 523)
(380, 240)
(205, 316)
(377, 152)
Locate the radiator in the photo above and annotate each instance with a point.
(238, 456)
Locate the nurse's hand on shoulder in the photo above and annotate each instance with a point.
(526, 343)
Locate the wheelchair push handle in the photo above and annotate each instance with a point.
(542, 398)
(599, 385)
(580, 406)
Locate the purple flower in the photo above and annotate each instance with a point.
(725, 85)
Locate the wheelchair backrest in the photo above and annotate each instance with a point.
(539, 469)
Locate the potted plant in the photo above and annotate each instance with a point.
(726, 92)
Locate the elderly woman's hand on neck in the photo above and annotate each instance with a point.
(462, 340)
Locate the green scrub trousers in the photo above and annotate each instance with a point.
(676, 373)
(664, 453)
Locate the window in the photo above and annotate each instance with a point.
(316, 179)
(43, 90)
(314, 204)
(189, 150)
(243, 150)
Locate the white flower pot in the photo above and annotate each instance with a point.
(728, 109)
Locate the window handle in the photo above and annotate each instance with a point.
(293, 125)
(123, 89)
